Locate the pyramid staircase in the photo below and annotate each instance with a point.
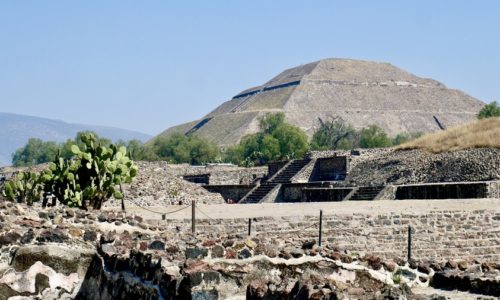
(366, 193)
(284, 175)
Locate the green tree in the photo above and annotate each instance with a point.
(179, 148)
(489, 111)
(234, 154)
(275, 140)
(138, 151)
(334, 135)
(373, 137)
(34, 152)
(270, 122)
(37, 151)
(292, 141)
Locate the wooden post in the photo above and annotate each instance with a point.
(193, 217)
(123, 198)
(249, 226)
(409, 242)
(320, 226)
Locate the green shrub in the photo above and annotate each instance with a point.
(397, 277)
(402, 138)
(489, 111)
(373, 137)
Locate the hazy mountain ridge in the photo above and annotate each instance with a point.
(15, 130)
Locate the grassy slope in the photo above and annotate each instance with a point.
(477, 134)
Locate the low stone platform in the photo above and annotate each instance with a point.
(442, 229)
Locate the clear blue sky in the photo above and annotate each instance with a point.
(147, 65)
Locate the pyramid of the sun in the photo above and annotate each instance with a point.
(360, 92)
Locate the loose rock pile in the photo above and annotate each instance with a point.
(390, 166)
(155, 185)
(416, 166)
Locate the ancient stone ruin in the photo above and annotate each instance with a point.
(370, 175)
(308, 228)
(362, 93)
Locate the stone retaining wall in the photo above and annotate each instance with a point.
(293, 192)
(233, 192)
(494, 189)
(458, 190)
(330, 168)
(436, 235)
(221, 174)
(325, 194)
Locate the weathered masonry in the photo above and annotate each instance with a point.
(325, 179)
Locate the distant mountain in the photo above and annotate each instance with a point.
(15, 130)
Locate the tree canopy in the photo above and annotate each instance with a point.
(335, 134)
(275, 140)
(37, 151)
(179, 148)
(374, 137)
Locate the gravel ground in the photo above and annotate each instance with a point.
(156, 185)
(233, 211)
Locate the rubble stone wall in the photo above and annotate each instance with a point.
(436, 235)
(234, 192)
(494, 189)
(239, 176)
(220, 174)
(325, 194)
(443, 191)
(330, 168)
(295, 192)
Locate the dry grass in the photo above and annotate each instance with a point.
(477, 134)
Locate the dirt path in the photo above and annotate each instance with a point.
(231, 211)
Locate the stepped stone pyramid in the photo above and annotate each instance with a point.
(360, 92)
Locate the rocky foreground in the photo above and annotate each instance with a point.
(64, 253)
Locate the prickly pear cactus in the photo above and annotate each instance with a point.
(93, 176)
(101, 170)
(24, 187)
(60, 181)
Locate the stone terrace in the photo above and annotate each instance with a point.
(442, 229)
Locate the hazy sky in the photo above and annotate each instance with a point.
(148, 65)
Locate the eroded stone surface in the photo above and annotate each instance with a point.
(221, 256)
